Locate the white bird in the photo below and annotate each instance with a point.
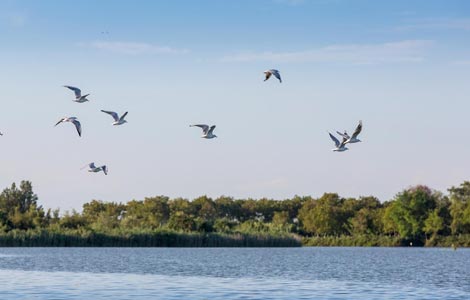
(352, 139)
(78, 94)
(270, 72)
(95, 169)
(207, 132)
(340, 147)
(73, 120)
(117, 120)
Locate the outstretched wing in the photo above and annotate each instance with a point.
(268, 75)
(335, 140)
(344, 135)
(92, 165)
(78, 126)
(205, 128)
(123, 116)
(105, 170)
(211, 129)
(113, 114)
(358, 130)
(277, 74)
(60, 121)
(77, 91)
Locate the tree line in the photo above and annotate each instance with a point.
(415, 216)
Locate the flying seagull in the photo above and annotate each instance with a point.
(72, 120)
(95, 169)
(207, 132)
(340, 147)
(276, 74)
(78, 94)
(117, 120)
(352, 139)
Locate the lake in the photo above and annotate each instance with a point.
(234, 273)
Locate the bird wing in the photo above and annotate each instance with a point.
(205, 128)
(211, 129)
(268, 75)
(334, 140)
(60, 121)
(105, 170)
(277, 74)
(358, 130)
(78, 126)
(344, 135)
(113, 114)
(77, 91)
(92, 165)
(123, 116)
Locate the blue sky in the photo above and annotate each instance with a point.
(402, 67)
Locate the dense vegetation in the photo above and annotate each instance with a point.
(417, 215)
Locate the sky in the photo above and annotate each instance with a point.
(402, 67)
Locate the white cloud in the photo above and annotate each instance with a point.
(134, 48)
(401, 51)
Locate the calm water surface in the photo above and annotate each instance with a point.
(234, 273)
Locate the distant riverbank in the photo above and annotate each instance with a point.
(417, 216)
(44, 238)
(385, 241)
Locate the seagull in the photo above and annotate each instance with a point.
(117, 120)
(78, 94)
(72, 120)
(340, 147)
(276, 74)
(352, 139)
(207, 132)
(95, 169)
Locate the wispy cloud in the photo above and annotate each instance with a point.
(437, 23)
(133, 48)
(401, 51)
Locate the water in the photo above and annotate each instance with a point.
(234, 273)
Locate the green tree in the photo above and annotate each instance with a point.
(19, 208)
(205, 208)
(460, 208)
(180, 221)
(433, 224)
(409, 210)
(323, 216)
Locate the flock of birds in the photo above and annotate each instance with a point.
(207, 131)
